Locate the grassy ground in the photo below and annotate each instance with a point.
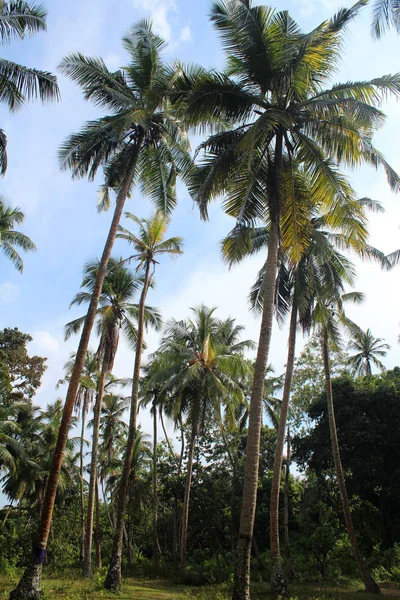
(79, 589)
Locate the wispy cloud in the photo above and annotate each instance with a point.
(160, 12)
(9, 292)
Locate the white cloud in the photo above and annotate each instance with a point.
(159, 12)
(9, 292)
(186, 34)
(45, 342)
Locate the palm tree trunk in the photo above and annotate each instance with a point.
(186, 499)
(289, 565)
(156, 545)
(110, 520)
(98, 532)
(278, 582)
(87, 564)
(29, 585)
(165, 433)
(113, 579)
(82, 485)
(366, 578)
(241, 586)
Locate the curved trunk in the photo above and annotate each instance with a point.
(156, 544)
(82, 485)
(366, 578)
(186, 500)
(98, 532)
(166, 434)
(87, 564)
(29, 585)
(289, 565)
(113, 579)
(278, 583)
(241, 586)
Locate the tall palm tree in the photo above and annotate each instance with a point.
(149, 243)
(9, 238)
(328, 318)
(295, 291)
(18, 83)
(116, 312)
(85, 398)
(385, 14)
(203, 363)
(274, 94)
(367, 348)
(140, 141)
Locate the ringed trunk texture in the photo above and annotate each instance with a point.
(156, 544)
(278, 582)
(289, 565)
(82, 484)
(87, 564)
(241, 585)
(29, 585)
(366, 578)
(113, 579)
(98, 531)
(186, 500)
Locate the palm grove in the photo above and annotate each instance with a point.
(279, 138)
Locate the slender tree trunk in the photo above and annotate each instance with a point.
(87, 565)
(156, 544)
(113, 579)
(166, 434)
(186, 499)
(29, 585)
(106, 505)
(98, 531)
(182, 451)
(7, 513)
(278, 582)
(241, 586)
(366, 578)
(81, 466)
(289, 565)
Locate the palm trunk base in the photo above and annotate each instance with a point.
(113, 579)
(241, 583)
(278, 581)
(29, 586)
(370, 584)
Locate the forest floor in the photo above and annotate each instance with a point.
(80, 589)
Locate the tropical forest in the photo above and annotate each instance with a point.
(199, 314)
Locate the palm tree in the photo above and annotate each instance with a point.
(116, 312)
(367, 349)
(149, 243)
(85, 398)
(273, 93)
(385, 14)
(328, 317)
(18, 83)
(9, 238)
(140, 141)
(203, 362)
(295, 292)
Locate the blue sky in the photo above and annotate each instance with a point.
(61, 215)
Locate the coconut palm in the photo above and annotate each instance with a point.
(85, 398)
(328, 318)
(275, 96)
(203, 363)
(367, 348)
(9, 238)
(149, 243)
(140, 141)
(295, 291)
(116, 312)
(385, 14)
(18, 83)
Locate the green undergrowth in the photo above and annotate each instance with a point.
(76, 588)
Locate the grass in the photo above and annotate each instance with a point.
(73, 588)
